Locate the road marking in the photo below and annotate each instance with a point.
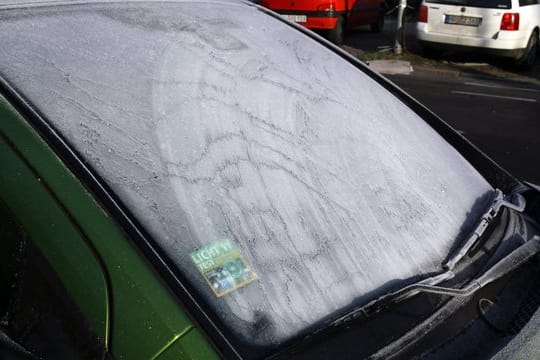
(492, 96)
(497, 86)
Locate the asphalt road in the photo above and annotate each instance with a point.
(500, 116)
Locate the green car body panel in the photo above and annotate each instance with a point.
(128, 305)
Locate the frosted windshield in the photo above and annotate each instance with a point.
(227, 133)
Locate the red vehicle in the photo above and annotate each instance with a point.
(332, 15)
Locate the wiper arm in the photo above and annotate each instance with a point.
(485, 221)
(429, 284)
(506, 265)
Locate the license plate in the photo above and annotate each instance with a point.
(462, 20)
(296, 18)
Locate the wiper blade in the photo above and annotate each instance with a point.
(486, 219)
(429, 284)
(506, 265)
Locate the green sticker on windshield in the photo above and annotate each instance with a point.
(223, 267)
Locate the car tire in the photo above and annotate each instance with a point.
(378, 26)
(528, 58)
(335, 35)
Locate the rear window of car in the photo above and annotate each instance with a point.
(286, 184)
(490, 4)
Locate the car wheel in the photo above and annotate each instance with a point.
(527, 60)
(335, 35)
(378, 26)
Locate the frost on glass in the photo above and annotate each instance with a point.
(216, 122)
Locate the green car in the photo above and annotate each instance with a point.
(202, 179)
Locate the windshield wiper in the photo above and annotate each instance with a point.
(504, 266)
(485, 221)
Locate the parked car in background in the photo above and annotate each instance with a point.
(333, 16)
(506, 28)
(196, 180)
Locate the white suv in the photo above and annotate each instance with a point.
(507, 28)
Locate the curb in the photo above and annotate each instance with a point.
(391, 67)
(438, 71)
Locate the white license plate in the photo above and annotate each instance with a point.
(462, 20)
(296, 18)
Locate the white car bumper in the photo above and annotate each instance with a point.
(501, 40)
